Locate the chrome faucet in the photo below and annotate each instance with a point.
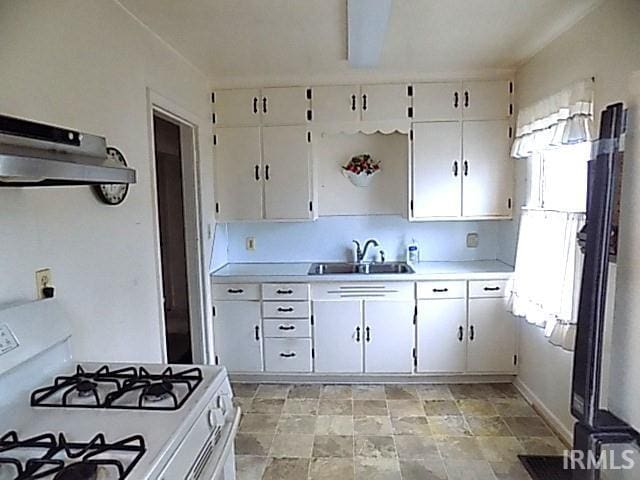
(361, 253)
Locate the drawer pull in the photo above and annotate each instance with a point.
(440, 290)
(235, 290)
(288, 355)
(287, 327)
(285, 309)
(491, 289)
(460, 333)
(284, 292)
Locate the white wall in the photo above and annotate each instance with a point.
(604, 44)
(86, 64)
(329, 238)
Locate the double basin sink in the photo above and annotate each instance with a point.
(360, 268)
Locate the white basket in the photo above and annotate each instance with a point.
(359, 180)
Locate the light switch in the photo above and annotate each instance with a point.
(472, 240)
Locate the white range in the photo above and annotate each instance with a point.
(65, 421)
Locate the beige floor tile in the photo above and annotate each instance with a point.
(441, 408)
(401, 392)
(468, 470)
(333, 446)
(477, 408)
(266, 405)
(542, 445)
(488, 426)
(415, 447)
(250, 467)
(305, 391)
(334, 425)
(243, 402)
(330, 406)
(370, 425)
(377, 469)
(300, 406)
(339, 392)
(509, 471)
(434, 392)
(468, 391)
(457, 448)
(244, 389)
(291, 446)
(528, 427)
(506, 390)
(259, 423)
(500, 449)
(331, 469)
(368, 392)
(370, 407)
(410, 426)
(253, 444)
(514, 407)
(272, 391)
(429, 469)
(287, 469)
(379, 446)
(297, 424)
(405, 408)
(454, 425)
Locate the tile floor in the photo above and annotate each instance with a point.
(380, 432)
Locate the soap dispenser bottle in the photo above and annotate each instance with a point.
(413, 252)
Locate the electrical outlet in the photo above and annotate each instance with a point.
(472, 240)
(44, 278)
(251, 243)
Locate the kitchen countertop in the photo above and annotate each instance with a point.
(297, 272)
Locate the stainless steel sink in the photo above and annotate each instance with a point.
(359, 268)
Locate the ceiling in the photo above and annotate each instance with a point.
(275, 41)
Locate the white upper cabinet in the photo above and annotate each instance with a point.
(285, 105)
(436, 170)
(486, 100)
(336, 103)
(287, 173)
(487, 169)
(238, 173)
(437, 101)
(389, 336)
(236, 108)
(384, 102)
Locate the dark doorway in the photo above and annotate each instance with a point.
(172, 240)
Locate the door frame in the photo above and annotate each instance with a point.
(196, 268)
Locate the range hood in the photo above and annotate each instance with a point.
(38, 155)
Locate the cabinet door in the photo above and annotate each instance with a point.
(338, 103)
(486, 100)
(437, 101)
(441, 342)
(284, 106)
(238, 335)
(287, 173)
(487, 184)
(238, 173)
(338, 336)
(389, 336)
(491, 336)
(385, 102)
(237, 108)
(436, 169)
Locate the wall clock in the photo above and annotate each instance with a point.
(115, 193)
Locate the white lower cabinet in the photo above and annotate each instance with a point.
(287, 354)
(338, 336)
(441, 345)
(238, 335)
(491, 337)
(389, 336)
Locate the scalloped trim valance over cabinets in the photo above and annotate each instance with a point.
(564, 118)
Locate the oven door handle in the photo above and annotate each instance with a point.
(227, 447)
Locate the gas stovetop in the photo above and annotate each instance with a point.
(48, 456)
(129, 388)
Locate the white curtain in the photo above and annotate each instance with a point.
(561, 119)
(546, 284)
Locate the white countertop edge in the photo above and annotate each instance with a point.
(465, 270)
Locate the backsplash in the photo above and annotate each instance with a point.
(329, 239)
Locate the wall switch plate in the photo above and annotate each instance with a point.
(251, 243)
(472, 240)
(44, 278)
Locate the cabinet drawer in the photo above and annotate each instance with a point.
(287, 328)
(289, 291)
(287, 354)
(236, 291)
(445, 289)
(363, 291)
(285, 309)
(487, 288)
